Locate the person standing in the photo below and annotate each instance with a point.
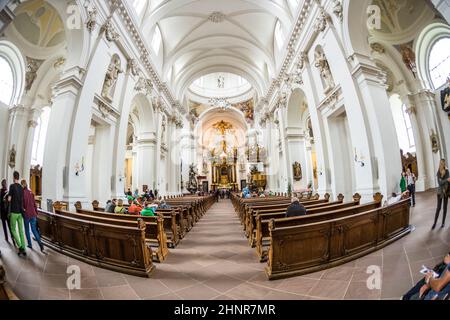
(411, 185)
(15, 198)
(4, 210)
(30, 216)
(443, 178)
(403, 186)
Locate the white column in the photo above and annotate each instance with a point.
(18, 133)
(146, 154)
(425, 107)
(54, 171)
(32, 124)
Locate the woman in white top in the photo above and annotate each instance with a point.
(411, 185)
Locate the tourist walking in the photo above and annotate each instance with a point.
(30, 216)
(15, 199)
(4, 210)
(443, 178)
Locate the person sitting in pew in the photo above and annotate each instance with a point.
(163, 205)
(134, 208)
(110, 206)
(149, 210)
(430, 287)
(396, 198)
(296, 209)
(120, 208)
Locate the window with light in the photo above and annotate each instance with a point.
(40, 136)
(6, 81)
(156, 41)
(439, 62)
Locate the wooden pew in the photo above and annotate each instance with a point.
(316, 215)
(154, 229)
(251, 212)
(306, 248)
(183, 221)
(250, 208)
(171, 221)
(109, 246)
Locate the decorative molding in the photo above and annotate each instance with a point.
(105, 108)
(144, 86)
(59, 62)
(32, 124)
(216, 17)
(133, 68)
(321, 21)
(338, 10)
(110, 31)
(377, 47)
(331, 101)
(144, 52)
(306, 8)
(91, 22)
(33, 66)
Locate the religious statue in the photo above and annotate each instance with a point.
(321, 63)
(221, 82)
(163, 130)
(111, 78)
(222, 127)
(297, 168)
(92, 19)
(409, 58)
(434, 142)
(33, 66)
(310, 129)
(12, 157)
(192, 184)
(445, 98)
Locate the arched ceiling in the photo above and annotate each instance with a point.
(401, 19)
(201, 36)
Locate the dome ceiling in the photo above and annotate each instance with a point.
(200, 37)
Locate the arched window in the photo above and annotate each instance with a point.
(6, 82)
(293, 4)
(439, 62)
(156, 41)
(40, 136)
(138, 5)
(408, 126)
(279, 35)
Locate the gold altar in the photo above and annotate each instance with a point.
(224, 176)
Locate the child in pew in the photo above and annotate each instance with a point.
(134, 207)
(149, 210)
(120, 208)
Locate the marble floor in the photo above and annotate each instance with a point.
(214, 261)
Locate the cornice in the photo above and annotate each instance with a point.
(133, 31)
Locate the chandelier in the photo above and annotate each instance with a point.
(222, 103)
